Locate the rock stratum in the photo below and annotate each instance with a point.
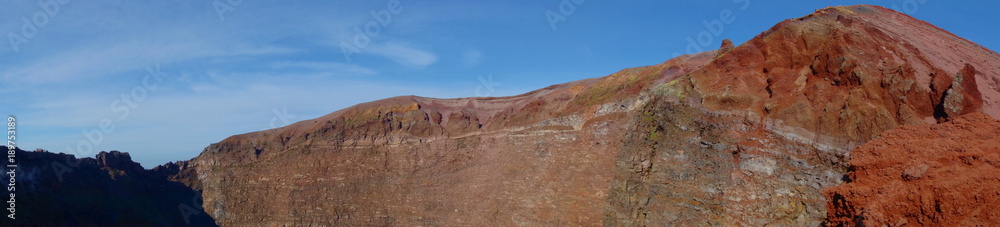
(744, 135)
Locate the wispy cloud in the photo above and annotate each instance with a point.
(404, 55)
(108, 59)
(472, 56)
(333, 67)
(200, 88)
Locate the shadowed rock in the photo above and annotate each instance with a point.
(109, 190)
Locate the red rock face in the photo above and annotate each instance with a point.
(940, 175)
(744, 135)
(850, 73)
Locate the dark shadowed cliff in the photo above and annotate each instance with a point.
(108, 190)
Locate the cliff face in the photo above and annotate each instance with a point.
(108, 190)
(545, 157)
(752, 137)
(745, 135)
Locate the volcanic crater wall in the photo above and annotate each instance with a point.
(744, 135)
(755, 134)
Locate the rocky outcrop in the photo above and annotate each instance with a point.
(958, 95)
(930, 175)
(117, 161)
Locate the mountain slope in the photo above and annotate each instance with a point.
(748, 135)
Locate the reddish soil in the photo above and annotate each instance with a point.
(945, 175)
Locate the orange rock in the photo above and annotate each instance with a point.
(939, 175)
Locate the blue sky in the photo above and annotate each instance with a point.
(221, 68)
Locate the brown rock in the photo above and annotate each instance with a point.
(727, 45)
(915, 172)
(963, 96)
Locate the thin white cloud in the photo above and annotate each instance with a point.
(99, 60)
(204, 88)
(404, 55)
(472, 56)
(324, 66)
